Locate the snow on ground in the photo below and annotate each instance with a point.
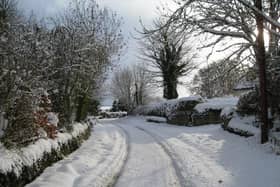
(148, 164)
(207, 156)
(95, 163)
(164, 155)
(217, 104)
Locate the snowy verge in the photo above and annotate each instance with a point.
(18, 167)
(97, 163)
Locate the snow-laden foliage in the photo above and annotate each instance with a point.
(67, 59)
(15, 160)
(273, 85)
(248, 103)
(166, 108)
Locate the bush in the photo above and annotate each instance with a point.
(248, 103)
(21, 128)
(93, 107)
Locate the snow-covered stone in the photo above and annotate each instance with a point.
(218, 103)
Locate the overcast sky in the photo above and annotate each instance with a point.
(130, 10)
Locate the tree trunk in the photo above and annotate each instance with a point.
(170, 87)
(82, 108)
(261, 61)
(273, 41)
(137, 95)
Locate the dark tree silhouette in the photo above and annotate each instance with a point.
(168, 56)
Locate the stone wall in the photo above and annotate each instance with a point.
(189, 111)
(207, 117)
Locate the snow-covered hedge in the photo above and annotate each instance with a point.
(19, 167)
(167, 108)
(248, 103)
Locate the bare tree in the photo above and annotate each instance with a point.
(168, 56)
(218, 79)
(86, 40)
(122, 87)
(130, 86)
(142, 83)
(236, 20)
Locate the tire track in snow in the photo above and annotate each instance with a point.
(173, 157)
(171, 178)
(167, 151)
(127, 139)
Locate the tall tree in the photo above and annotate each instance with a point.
(68, 61)
(86, 40)
(168, 55)
(261, 61)
(234, 19)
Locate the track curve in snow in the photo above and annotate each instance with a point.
(148, 164)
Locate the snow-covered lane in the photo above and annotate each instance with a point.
(208, 156)
(148, 164)
(96, 163)
(131, 152)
